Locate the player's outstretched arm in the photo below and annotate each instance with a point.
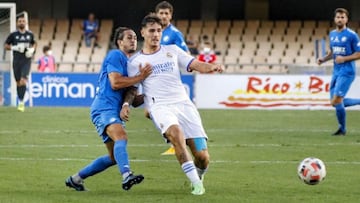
(118, 81)
(203, 67)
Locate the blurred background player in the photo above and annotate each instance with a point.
(171, 35)
(171, 110)
(344, 50)
(90, 28)
(22, 44)
(46, 63)
(105, 112)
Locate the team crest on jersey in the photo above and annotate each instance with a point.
(28, 37)
(358, 44)
(343, 39)
(169, 55)
(166, 38)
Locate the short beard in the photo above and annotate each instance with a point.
(21, 27)
(131, 51)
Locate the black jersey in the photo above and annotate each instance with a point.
(17, 37)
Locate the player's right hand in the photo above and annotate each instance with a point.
(145, 71)
(125, 113)
(319, 61)
(19, 48)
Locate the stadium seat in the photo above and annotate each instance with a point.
(259, 60)
(281, 24)
(278, 31)
(238, 23)
(247, 68)
(80, 68)
(295, 24)
(275, 38)
(309, 24)
(224, 24)
(65, 68)
(182, 23)
(245, 59)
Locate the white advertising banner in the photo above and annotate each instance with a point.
(216, 91)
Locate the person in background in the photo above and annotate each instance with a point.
(90, 28)
(22, 43)
(344, 50)
(46, 63)
(207, 55)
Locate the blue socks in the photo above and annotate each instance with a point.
(351, 102)
(121, 156)
(341, 116)
(98, 165)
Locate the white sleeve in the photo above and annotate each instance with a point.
(184, 59)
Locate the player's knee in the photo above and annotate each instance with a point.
(174, 134)
(203, 157)
(336, 100)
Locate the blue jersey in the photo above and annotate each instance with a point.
(108, 99)
(344, 43)
(171, 35)
(90, 27)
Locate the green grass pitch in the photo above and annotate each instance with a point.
(254, 157)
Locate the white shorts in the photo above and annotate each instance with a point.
(183, 114)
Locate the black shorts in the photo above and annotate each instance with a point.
(21, 69)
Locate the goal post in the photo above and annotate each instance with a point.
(7, 25)
(8, 16)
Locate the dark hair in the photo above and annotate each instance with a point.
(119, 34)
(46, 48)
(150, 18)
(341, 10)
(164, 5)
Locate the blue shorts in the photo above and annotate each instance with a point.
(104, 119)
(340, 85)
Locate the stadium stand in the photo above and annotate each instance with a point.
(244, 46)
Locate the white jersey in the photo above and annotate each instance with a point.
(164, 85)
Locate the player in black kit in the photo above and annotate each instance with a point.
(23, 45)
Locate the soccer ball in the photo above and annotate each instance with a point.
(311, 170)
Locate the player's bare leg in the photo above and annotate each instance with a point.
(201, 155)
(175, 135)
(171, 150)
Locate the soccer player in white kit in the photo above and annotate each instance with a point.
(170, 108)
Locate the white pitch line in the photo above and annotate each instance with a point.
(209, 130)
(174, 161)
(259, 145)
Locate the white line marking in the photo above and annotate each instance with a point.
(165, 161)
(163, 145)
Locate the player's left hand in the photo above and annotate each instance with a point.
(29, 52)
(339, 59)
(125, 113)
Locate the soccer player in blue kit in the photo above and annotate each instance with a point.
(105, 112)
(170, 34)
(344, 50)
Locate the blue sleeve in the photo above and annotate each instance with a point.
(180, 42)
(116, 63)
(355, 43)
